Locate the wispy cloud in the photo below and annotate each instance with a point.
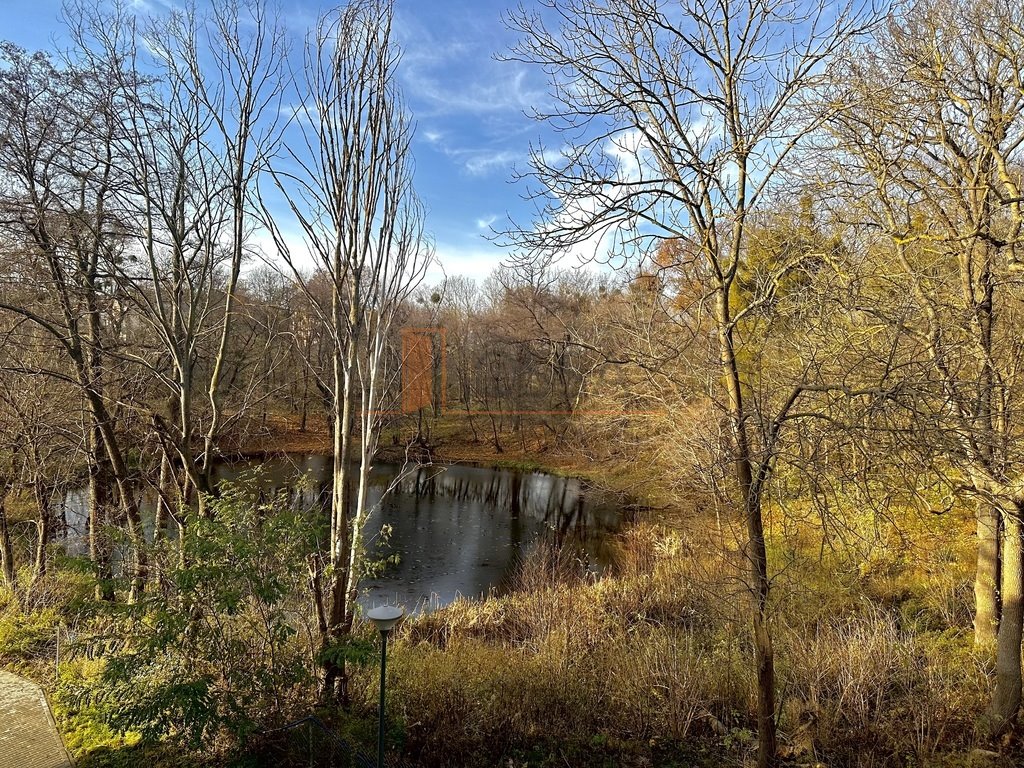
(477, 161)
(154, 7)
(483, 162)
(451, 69)
(502, 89)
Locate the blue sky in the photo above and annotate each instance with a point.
(469, 109)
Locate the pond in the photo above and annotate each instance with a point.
(456, 529)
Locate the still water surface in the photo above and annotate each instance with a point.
(457, 530)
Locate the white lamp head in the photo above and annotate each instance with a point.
(385, 617)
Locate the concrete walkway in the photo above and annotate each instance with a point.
(28, 735)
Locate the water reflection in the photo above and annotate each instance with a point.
(455, 530)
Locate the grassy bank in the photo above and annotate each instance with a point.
(647, 665)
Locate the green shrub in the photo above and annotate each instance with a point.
(213, 655)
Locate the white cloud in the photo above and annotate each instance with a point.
(554, 158)
(473, 260)
(602, 246)
(629, 152)
(267, 251)
(486, 222)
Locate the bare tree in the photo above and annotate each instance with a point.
(197, 130)
(688, 113)
(46, 437)
(928, 151)
(351, 195)
(57, 135)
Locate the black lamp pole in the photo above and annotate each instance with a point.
(384, 618)
(383, 676)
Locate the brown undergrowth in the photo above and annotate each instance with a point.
(650, 665)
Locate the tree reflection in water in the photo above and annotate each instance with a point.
(456, 529)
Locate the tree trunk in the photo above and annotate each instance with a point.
(44, 527)
(764, 661)
(1007, 695)
(88, 361)
(304, 404)
(756, 551)
(99, 503)
(764, 652)
(338, 616)
(128, 502)
(163, 501)
(10, 573)
(986, 579)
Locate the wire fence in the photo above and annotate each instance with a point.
(311, 743)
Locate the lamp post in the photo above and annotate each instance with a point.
(384, 618)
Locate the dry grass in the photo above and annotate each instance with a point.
(647, 666)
